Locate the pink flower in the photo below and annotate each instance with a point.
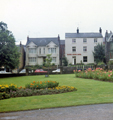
(108, 75)
(79, 70)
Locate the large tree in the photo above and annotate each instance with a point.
(99, 53)
(9, 55)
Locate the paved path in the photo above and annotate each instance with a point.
(86, 112)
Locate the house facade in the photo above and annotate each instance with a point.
(38, 48)
(79, 47)
(109, 46)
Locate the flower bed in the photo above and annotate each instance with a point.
(98, 74)
(35, 88)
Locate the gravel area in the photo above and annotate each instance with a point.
(86, 112)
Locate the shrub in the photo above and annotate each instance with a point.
(4, 95)
(7, 88)
(99, 74)
(29, 92)
(42, 85)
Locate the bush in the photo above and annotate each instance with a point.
(4, 95)
(99, 74)
(29, 92)
(7, 88)
(42, 85)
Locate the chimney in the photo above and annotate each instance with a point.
(27, 38)
(20, 43)
(58, 38)
(100, 30)
(77, 30)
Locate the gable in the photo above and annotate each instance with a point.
(31, 44)
(51, 44)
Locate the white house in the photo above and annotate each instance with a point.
(38, 48)
(79, 46)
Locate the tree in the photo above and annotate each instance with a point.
(9, 55)
(99, 53)
(48, 61)
(65, 61)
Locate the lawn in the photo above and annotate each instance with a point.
(89, 91)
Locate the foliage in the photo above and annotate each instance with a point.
(7, 88)
(4, 95)
(35, 88)
(65, 61)
(99, 53)
(30, 92)
(98, 74)
(42, 85)
(9, 55)
(48, 61)
(88, 92)
(110, 62)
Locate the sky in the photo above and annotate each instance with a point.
(48, 18)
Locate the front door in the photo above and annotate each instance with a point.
(74, 61)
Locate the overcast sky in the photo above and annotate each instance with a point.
(48, 18)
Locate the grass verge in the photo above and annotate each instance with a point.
(88, 92)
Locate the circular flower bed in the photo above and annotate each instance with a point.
(34, 88)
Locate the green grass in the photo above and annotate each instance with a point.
(88, 92)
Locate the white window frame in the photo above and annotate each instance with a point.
(85, 59)
(84, 40)
(51, 50)
(95, 40)
(32, 59)
(53, 59)
(32, 50)
(39, 50)
(44, 50)
(74, 49)
(85, 48)
(73, 40)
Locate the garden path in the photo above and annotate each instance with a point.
(86, 112)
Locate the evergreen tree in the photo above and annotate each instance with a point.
(65, 61)
(99, 53)
(9, 55)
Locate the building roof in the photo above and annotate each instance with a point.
(62, 42)
(83, 35)
(42, 41)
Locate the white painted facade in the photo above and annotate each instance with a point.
(79, 55)
(38, 56)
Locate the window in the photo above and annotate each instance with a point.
(84, 58)
(32, 50)
(51, 50)
(54, 59)
(44, 50)
(73, 49)
(84, 48)
(39, 50)
(84, 40)
(32, 59)
(73, 40)
(95, 40)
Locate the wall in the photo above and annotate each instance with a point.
(79, 49)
